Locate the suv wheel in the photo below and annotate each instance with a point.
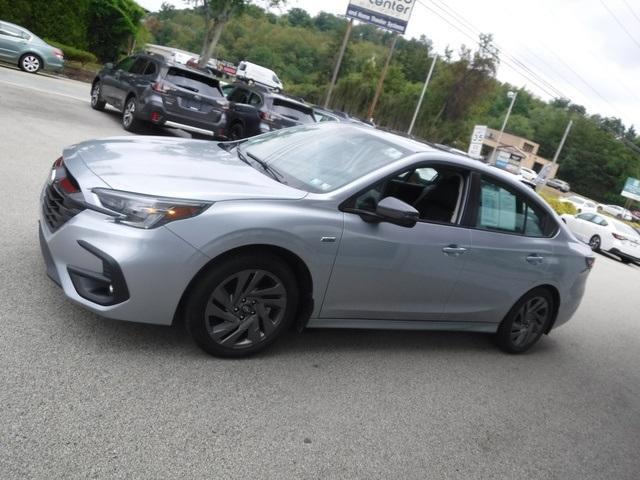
(242, 305)
(236, 132)
(96, 97)
(129, 120)
(525, 323)
(30, 62)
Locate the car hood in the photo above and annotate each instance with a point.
(178, 168)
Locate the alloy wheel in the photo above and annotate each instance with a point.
(31, 63)
(529, 321)
(95, 94)
(245, 308)
(129, 111)
(594, 243)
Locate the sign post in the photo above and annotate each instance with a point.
(631, 189)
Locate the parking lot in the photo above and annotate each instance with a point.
(84, 397)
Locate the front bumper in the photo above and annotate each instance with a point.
(147, 270)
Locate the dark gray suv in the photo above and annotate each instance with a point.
(148, 88)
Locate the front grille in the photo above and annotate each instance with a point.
(57, 207)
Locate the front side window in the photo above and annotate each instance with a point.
(503, 210)
(331, 159)
(436, 192)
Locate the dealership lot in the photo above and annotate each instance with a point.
(84, 397)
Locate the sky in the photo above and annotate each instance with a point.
(585, 50)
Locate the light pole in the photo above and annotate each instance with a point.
(512, 96)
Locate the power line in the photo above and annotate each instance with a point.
(620, 23)
(631, 10)
(458, 17)
(507, 63)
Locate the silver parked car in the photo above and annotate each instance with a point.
(18, 45)
(324, 225)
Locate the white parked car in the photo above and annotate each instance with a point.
(616, 211)
(528, 174)
(604, 233)
(582, 204)
(250, 72)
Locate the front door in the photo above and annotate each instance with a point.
(389, 272)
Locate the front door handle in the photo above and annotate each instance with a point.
(453, 250)
(535, 259)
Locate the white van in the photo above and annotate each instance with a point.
(250, 72)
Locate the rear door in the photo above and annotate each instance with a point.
(111, 80)
(510, 252)
(192, 98)
(128, 80)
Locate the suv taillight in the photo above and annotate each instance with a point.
(266, 116)
(61, 177)
(160, 87)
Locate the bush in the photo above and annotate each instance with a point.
(560, 207)
(74, 54)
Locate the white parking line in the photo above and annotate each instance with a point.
(49, 92)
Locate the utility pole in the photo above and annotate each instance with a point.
(424, 90)
(564, 139)
(512, 96)
(376, 97)
(336, 69)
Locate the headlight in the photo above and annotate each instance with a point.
(144, 211)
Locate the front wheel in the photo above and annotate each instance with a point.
(30, 63)
(242, 305)
(96, 97)
(525, 323)
(236, 132)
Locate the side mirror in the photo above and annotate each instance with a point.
(393, 210)
(108, 66)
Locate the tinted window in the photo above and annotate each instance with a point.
(193, 82)
(504, 210)
(294, 111)
(586, 216)
(139, 66)
(255, 100)
(151, 69)
(330, 160)
(239, 95)
(126, 64)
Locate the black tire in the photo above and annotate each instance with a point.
(520, 330)
(97, 103)
(30, 63)
(624, 260)
(244, 321)
(129, 121)
(236, 132)
(595, 243)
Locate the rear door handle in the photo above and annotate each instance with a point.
(453, 250)
(535, 259)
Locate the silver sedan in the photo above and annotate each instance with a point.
(321, 226)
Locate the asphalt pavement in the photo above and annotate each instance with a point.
(84, 397)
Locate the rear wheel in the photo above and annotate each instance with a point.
(96, 97)
(595, 243)
(242, 305)
(236, 132)
(625, 260)
(129, 120)
(526, 321)
(30, 63)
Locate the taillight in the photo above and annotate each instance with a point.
(590, 261)
(266, 116)
(58, 53)
(618, 236)
(68, 185)
(57, 163)
(160, 87)
(61, 177)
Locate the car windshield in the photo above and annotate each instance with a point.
(309, 158)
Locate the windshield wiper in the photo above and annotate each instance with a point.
(275, 174)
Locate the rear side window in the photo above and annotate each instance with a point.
(504, 210)
(11, 31)
(586, 216)
(193, 82)
(151, 69)
(139, 66)
(126, 64)
(239, 95)
(294, 111)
